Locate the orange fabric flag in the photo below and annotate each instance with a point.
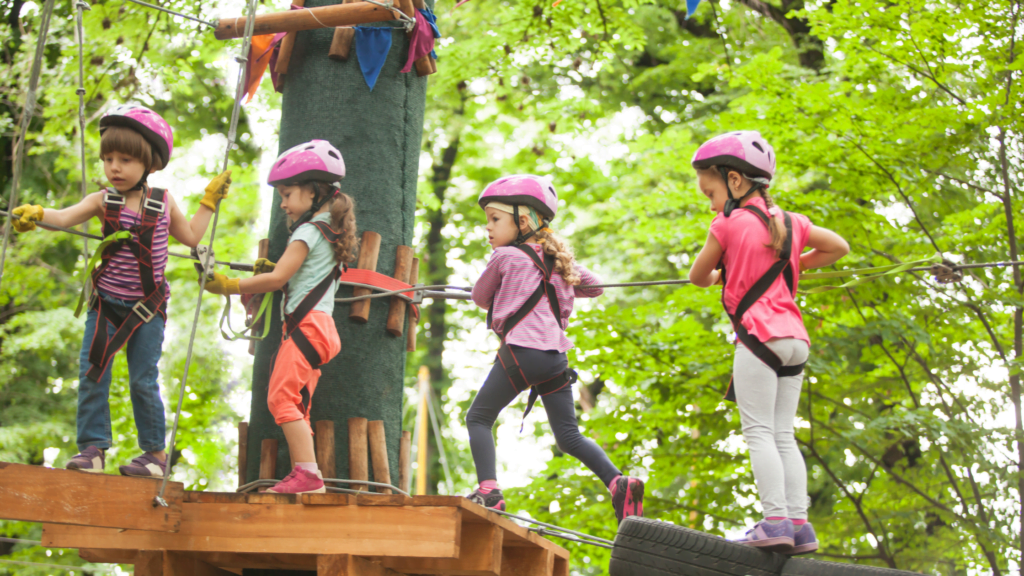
(259, 58)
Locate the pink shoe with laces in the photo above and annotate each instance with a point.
(300, 481)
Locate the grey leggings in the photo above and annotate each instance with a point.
(768, 407)
(497, 392)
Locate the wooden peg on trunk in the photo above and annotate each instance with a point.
(285, 54)
(425, 65)
(325, 448)
(243, 451)
(379, 455)
(396, 310)
(369, 250)
(341, 45)
(358, 465)
(268, 460)
(410, 340)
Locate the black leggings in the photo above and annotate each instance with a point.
(497, 392)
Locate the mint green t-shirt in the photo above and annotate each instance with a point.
(318, 264)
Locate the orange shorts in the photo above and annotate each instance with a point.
(293, 380)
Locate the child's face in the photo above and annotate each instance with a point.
(501, 230)
(296, 199)
(123, 171)
(713, 187)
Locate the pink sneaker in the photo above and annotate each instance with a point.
(300, 481)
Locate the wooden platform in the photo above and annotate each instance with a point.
(333, 534)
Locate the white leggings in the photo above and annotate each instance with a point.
(768, 407)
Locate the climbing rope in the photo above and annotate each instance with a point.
(559, 531)
(179, 14)
(82, 6)
(232, 131)
(26, 118)
(251, 486)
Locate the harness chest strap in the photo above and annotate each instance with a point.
(309, 302)
(154, 301)
(781, 267)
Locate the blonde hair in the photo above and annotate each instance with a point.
(342, 209)
(555, 245)
(775, 228)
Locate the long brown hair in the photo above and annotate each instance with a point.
(343, 220)
(555, 245)
(775, 227)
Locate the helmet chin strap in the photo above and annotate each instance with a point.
(318, 202)
(521, 237)
(732, 203)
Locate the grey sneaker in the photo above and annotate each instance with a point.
(805, 541)
(90, 460)
(145, 466)
(777, 537)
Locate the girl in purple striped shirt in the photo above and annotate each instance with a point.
(528, 288)
(130, 297)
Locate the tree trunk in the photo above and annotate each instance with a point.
(379, 135)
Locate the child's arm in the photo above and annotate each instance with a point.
(281, 273)
(489, 282)
(587, 278)
(190, 232)
(27, 215)
(828, 248)
(703, 272)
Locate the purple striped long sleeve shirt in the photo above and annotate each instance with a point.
(121, 278)
(509, 280)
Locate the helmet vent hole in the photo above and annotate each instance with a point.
(281, 163)
(758, 146)
(308, 147)
(552, 190)
(333, 154)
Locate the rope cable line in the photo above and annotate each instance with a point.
(179, 14)
(81, 6)
(26, 117)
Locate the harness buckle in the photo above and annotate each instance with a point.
(153, 204)
(113, 198)
(143, 312)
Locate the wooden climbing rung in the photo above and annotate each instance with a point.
(38, 494)
(334, 534)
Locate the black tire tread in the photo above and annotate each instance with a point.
(650, 547)
(809, 567)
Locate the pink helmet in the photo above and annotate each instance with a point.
(315, 160)
(523, 189)
(153, 128)
(745, 151)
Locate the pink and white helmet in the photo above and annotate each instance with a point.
(314, 160)
(153, 128)
(746, 151)
(523, 189)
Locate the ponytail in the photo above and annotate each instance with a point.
(565, 260)
(777, 231)
(343, 220)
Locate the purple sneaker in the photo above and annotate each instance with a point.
(805, 541)
(777, 537)
(627, 497)
(91, 460)
(145, 466)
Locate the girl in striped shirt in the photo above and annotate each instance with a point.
(528, 288)
(135, 142)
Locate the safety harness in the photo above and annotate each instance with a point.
(138, 239)
(782, 267)
(505, 354)
(292, 321)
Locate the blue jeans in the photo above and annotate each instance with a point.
(144, 349)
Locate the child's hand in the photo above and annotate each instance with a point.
(26, 216)
(222, 285)
(262, 266)
(217, 190)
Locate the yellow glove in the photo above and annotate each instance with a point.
(25, 217)
(262, 266)
(803, 267)
(222, 285)
(721, 280)
(217, 190)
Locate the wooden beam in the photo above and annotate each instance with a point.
(561, 567)
(348, 565)
(243, 451)
(403, 266)
(379, 455)
(480, 555)
(358, 459)
(325, 447)
(230, 560)
(369, 250)
(429, 532)
(405, 461)
(149, 563)
(38, 494)
(527, 562)
(179, 564)
(297, 20)
(268, 459)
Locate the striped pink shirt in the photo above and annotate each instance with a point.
(509, 280)
(121, 278)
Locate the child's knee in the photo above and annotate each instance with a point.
(477, 417)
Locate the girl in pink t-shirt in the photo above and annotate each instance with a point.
(756, 250)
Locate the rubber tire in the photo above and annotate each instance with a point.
(645, 547)
(808, 567)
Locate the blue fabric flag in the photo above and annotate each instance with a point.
(691, 7)
(432, 20)
(372, 47)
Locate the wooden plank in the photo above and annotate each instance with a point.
(178, 564)
(561, 567)
(271, 498)
(325, 447)
(358, 458)
(480, 555)
(382, 500)
(297, 20)
(347, 565)
(527, 562)
(149, 563)
(327, 499)
(216, 497)
(369, 250)
(410, 337)
(243, 451)
(228, 560)
(379, 454)
(38, 494)
(268, 459)
(403, 266)
(405, 461)
(429, 532)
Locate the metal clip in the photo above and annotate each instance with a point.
(158, 501)
(113, 198)
(153, 204)
(417, 296)
(82, 5)
(143, 312)
(204, 254)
